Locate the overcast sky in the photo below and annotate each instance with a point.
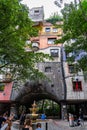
(49, 6)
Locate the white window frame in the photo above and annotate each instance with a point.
(54, 52)
(47, 29)
(55, 30)
(51, 40)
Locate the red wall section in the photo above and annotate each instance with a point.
(5, 95)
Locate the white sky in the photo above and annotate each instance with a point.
(49, 6)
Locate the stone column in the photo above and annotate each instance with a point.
(13, 110)
(64, 111)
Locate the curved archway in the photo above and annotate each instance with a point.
(36, 91)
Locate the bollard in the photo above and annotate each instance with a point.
(46, 126)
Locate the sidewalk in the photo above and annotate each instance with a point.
(64, 125)
(54, 125)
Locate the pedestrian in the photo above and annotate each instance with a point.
(38, 126)
(11, 117)
(6, 125)
(43, 116)
(27, 125)
(5, 115)
(2, 119)
(22, 118)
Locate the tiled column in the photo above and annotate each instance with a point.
(63, 111)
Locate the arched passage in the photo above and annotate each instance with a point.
(34, 90)
(53, 89)
(37, 91)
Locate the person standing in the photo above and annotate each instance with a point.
(38, 126)
(27, 125)
(2, 119)
(43, 116)
(22, 118)
(6, 125)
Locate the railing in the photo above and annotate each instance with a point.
(5, 80)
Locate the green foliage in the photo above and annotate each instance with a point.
(2, 85)
(53, 111)
(15, 28)
(75, 29)
(50, 108)
(54, 18)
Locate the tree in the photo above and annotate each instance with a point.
(54, 18)
(15, 29)
(75, 32)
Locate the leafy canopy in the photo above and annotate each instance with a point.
(75, 32)
(15, 29)
(54, 18)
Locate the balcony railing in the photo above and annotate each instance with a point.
(35, 46)
(6, 79)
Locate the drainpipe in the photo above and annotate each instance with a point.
(63, 104)
(63, 74)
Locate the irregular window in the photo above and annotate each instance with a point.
(36, 12)
(71, 68)
(54, 52)
(47, 29)
(48, 69)
(77, 86)
(51, 40)
(2, 85)
(55, 30)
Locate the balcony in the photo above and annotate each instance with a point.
(35, 46)
(7, 78)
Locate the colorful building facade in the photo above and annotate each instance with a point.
(67, 88)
